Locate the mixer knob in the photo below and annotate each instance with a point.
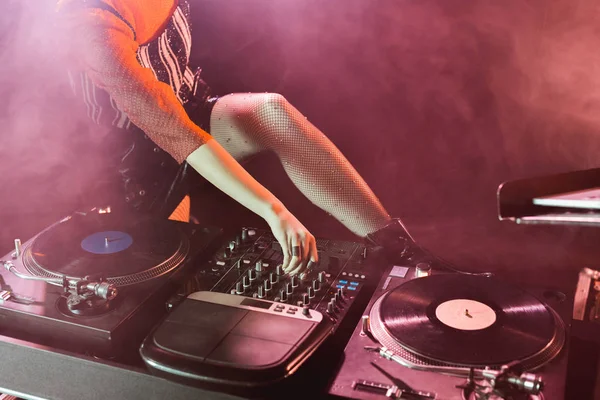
(310, 292)
(279, 270)
(246, 281)
(289, 288)
(267, 285)
(294, 281)
(341, 293)
(259, 266)
(330, 308)
(336, 296)
(305, 300)
(283, 295)
(261, 292)
(273, 278)
(251, 275)
(321, 277)
(423, 269)
(316, 285)
(333, 301)
(232, 246)
(244, 234)
(239, 288)
(305, 311)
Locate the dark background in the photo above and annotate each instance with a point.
(435, 102)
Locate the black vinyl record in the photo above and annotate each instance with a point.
(105, 245)
(466, 320)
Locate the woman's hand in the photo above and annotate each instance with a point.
(215, 164)
(297, 243)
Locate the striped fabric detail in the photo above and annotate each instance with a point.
(167, 57)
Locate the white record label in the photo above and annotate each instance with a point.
(466, 315)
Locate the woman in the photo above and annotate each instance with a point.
(129, 63)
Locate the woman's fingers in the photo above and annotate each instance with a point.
(296, 254)
(308, 247)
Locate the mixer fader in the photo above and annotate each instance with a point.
(249, 264)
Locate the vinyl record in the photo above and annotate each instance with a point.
(466, 320)
(105, 245)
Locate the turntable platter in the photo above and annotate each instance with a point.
(465, 320)
(105, 245)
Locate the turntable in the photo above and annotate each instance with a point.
(95, 280)
(456, 336)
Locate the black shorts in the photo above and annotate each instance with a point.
(200, 107)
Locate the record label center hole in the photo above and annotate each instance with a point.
(466, 315)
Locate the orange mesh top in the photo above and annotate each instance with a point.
(105, 48)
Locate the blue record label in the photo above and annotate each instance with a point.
(107, 242)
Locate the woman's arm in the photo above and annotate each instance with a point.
(106, 50)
